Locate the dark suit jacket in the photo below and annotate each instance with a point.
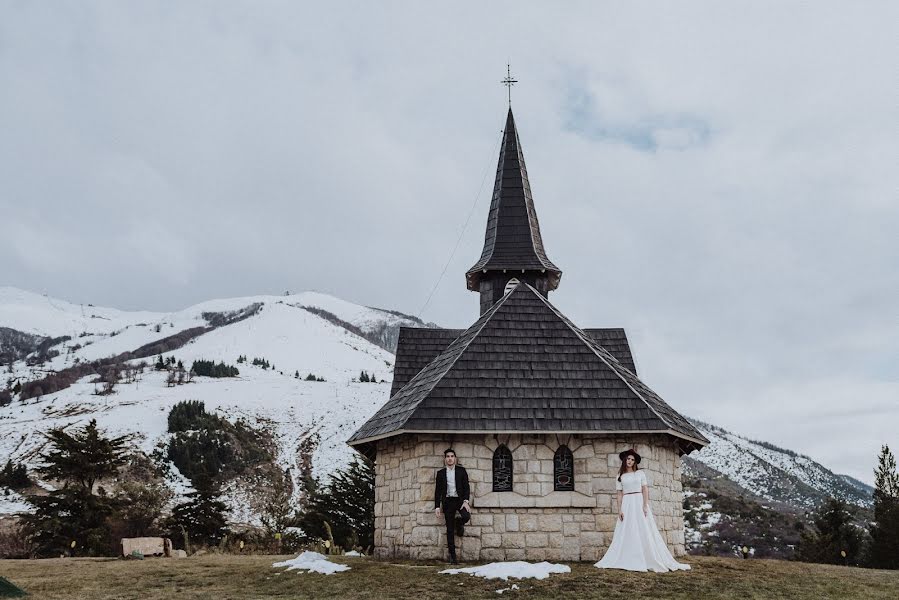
(462, 488)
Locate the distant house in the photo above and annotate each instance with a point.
(536, 408)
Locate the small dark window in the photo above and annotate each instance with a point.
(563, 470)
(502, 470)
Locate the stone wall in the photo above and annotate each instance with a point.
(532, 522)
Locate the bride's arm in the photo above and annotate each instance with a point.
(620, 498)
(645, 490)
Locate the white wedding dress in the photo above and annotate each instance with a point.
(637, 544)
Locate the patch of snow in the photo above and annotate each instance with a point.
(12, 502)
(518, 569)
(508, 589)
(711, 519)
(312, 562)
(353, 553)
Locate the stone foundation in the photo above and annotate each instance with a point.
(532, 522)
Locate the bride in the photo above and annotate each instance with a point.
(636, 543)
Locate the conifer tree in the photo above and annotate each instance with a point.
(76, 512)
(202, 517)
(833, 533)
(347, 503)
(884, 549)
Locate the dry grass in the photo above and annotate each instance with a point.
(239, 577)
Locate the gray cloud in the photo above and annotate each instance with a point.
(719, 179)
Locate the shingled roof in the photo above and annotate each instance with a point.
(513, 239)
(524, 367)
(417, 346)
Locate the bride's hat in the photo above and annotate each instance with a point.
(632, 452)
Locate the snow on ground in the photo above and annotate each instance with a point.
(12, 502)
(312, 562)
(363, 317)
(353, 553)
(518, 569)
(42, 315)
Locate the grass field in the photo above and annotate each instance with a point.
(232, 577)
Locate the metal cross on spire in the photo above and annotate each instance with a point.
(509, 82)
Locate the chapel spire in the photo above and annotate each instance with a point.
(513, 246)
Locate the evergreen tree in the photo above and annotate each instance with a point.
(82, 457)
(347, 503)
(884, 549)
(76, 512)
(202, 517)
(296, 375)
(14, 476)
(363, 377)
(159, 364)
(833, 533)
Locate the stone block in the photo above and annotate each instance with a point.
(543, 453)
(536, 540)
(493, 554)
(464, 450)
(514, 540)
(424, 536)
(570, 549)
(584, 451)
(553, 554)
(499, 523)
(491, 540)
(584, 487)
(552, 522)
(591, 553)
(592, 538)
(571, 529)
(482, 520)
(525, 452)
(515, 554)
(470, 548)
(512, 523)
(535, 553)
(528, 523)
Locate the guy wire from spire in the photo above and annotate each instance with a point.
(462, 233)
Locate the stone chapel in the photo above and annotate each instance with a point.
(536, 408)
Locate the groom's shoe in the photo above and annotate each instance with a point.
(453, 560)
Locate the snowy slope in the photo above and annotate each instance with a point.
(291, 339)
(775, 474)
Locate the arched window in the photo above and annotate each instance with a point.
(509, 285)
(502, 470)
(563, 470)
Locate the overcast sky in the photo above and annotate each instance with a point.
(720, 179)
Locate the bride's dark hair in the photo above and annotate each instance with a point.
(623, 468)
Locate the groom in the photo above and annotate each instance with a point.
(452, 495)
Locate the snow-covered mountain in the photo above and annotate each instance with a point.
(772, 474)
(298, 334)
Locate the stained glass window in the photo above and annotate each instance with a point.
(563, 470)
(502, 470)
